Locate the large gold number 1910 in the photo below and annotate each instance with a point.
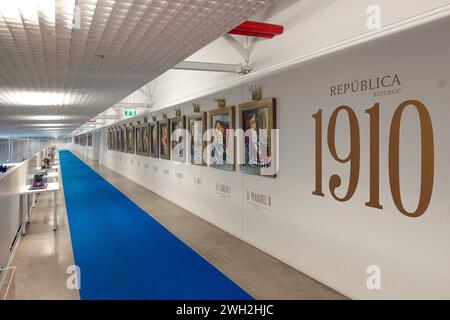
(353, 158)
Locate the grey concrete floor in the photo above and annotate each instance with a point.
(42, 256)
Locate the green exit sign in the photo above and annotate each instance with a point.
(130, 112)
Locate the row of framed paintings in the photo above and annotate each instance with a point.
(153, 139)
(84, 139)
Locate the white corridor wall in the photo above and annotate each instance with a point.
(334, 242)
(92, 152)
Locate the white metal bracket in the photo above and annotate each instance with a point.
(243, 51)
(208, 66)
(148, 91)
(220, 67)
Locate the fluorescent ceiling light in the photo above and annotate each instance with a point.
(45, 118)
(49, 125)
(31, 10)
(47, 129)
(30, 98)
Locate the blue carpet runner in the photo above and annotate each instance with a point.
(123, 253)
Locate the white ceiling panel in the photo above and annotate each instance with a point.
(65, 61)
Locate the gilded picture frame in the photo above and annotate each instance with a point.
(83, 140)
(153, 128)
(164, 139)
(197, 125)
(111, 132)
(222, 119)
(113, 139)
(122, 139)
(178, 146)
(257, 119)
(138, 139)
(142, 140)
(145, 151)
(108, 138)
(117, 139)
(130, 139)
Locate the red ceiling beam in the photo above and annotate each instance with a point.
(258, 29)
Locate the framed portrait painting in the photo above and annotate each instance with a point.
(119, 140)
(113, 139)
(154, 139)
(108, 139)
(222, 151)
(145, 140)
(142, 140)
(123, 147)
(164, 139)
(178, 137)
(196, 124)
(130, 141)
(257, 120)
(138, 139)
